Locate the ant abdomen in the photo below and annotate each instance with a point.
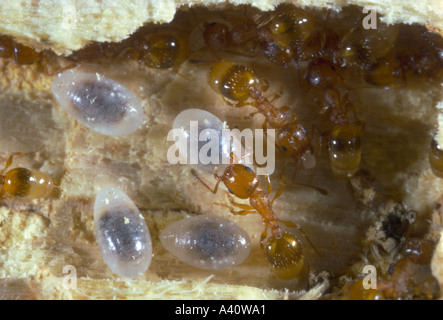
(285, 254)
(233, 81)
(27, 183)
(345, 149)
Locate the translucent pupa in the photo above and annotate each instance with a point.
(121, 233)
(99, 103)
(207, 242)
(202, 143)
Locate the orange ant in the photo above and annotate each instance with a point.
(344, 139)
(277, 36)
(237, 83)
(24, 183)
(282, 249)
(158, 49)
(23, 55)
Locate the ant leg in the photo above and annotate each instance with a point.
(290, 224)
(243, 212)
(11, 157)
(214, 191)
(244, 207)
(279, 191)
(237, 213)
(263, 236)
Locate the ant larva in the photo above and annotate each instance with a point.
(283, 249)
(23, 182)
(99, 103)
(121, 233)
(237, 83)
(207, 242)
(344, 139)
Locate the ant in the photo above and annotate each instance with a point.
(23, 55)
(344, 138)
(24, 183)
(157, 49)
(238, 83)
(283, 250)
(278, 36)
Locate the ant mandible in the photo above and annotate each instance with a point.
(24, 183)
(283, 249)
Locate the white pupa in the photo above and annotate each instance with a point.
(99, 103)
(207, 242)
(196, 130)
(121, 233)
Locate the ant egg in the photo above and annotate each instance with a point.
(207, 242)
(99, 103)
(121, 233)
(209, 128)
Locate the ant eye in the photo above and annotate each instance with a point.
(99, 103)
(230, 191)
(248, 169)
(284, 148)
(207, 242)
(121, 233)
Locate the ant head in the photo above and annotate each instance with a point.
(240, 180)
